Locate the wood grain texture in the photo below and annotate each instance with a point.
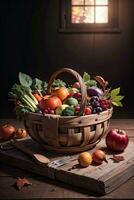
(61, 190)
(103, 179)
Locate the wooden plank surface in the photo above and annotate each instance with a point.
(103, 178)
(61, 189)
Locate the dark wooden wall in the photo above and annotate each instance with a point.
(31, 43)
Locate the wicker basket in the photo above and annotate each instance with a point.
(68, 134)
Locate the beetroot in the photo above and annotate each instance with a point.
(94, 91)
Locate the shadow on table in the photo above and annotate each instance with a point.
(15, 173)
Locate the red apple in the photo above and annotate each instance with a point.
(117, 140)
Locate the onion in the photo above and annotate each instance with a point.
(99, 156)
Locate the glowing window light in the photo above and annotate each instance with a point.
(89, 11)
(101, 15)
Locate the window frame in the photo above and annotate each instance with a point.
(67, 26)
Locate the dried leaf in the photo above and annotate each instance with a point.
(21, 182)
(101, 81)
(117, 158)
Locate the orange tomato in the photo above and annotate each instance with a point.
(61, 92)
(51, 102)
(85, 159)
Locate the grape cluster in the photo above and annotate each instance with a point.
(95, 104)
(48, 111)
(105, 104)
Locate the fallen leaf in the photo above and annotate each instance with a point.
(21, 182)
(117, 158)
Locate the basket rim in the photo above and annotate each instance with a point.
(71, 117)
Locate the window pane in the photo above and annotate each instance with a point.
(89, 2)
(89, 14)
(101, 2)
(101, 14)
(77, 14)
(83, 14)
(77, 2)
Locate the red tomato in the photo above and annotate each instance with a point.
(61, 92)
(87, 111)
(51, 102)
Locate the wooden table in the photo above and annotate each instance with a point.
(43, 187)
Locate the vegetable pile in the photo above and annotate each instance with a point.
(30, 95)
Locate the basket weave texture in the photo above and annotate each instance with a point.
(68, 134)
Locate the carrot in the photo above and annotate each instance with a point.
(37, 96)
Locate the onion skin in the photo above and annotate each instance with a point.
(94, 91)
(99, 156)
(117, 140)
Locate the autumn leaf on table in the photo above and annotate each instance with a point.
(117, 158)
(21, 182)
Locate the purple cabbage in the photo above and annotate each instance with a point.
(94, 91)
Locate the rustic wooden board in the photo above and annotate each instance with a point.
(101, 179)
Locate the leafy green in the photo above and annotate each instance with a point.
(39, 86)
(86, 77)
(44, 87)
(117, 103)
(25, 79)
(92, 83)
(58, 83)
(25, 96)
(115, 92)
(115, 97)
(88, 81)
(118, 98)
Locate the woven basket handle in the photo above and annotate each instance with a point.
(79, 79)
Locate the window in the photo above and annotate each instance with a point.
(89, 16)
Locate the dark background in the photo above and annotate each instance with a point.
(30, 43)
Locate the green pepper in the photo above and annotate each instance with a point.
(68, 111)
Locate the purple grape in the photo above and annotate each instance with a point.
(99, 109)
(95, 104)
(94, 98)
